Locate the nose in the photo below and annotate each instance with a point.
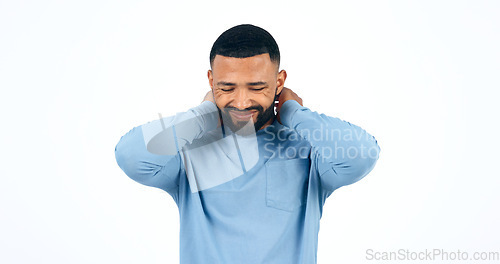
(241, 99)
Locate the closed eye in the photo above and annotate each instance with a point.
(227, 90)
(258, 89)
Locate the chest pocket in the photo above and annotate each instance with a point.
(286, 183)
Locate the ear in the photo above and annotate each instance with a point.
(210, 79)
(280, 82)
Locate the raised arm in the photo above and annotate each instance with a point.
(344, 153)
(149, 154)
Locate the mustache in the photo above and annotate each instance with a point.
(257, 107)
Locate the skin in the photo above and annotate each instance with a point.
(245, 87)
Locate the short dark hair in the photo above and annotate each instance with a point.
(245, 41)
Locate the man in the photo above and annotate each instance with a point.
(250, 183)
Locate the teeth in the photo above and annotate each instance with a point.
(242, 115)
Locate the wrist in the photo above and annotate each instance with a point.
(287, 111)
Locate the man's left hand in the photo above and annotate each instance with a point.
(285, 95)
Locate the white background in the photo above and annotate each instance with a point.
(421, 76)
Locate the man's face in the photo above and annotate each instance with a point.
(244, 89)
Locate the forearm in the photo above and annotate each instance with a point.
(344, 152)
(168, 135)
(149, 154)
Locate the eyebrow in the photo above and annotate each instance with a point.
(248, 84)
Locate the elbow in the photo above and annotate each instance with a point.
(130, 161)
(357, 169)
(351, 169)
(142, 166)
(372, 155)
(127, 153)
(125, 159)
(365, 165)
(366, 162)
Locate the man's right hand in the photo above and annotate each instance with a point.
(209, 96)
